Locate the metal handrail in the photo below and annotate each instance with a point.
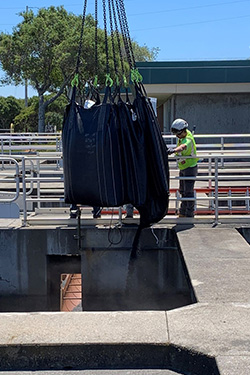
(10, 178)
(11, 143)
(213, 176)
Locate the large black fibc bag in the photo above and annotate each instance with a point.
(132, 145)
(92, 160)
(114, 154)
(156, 205)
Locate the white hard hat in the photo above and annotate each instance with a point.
(179, 124)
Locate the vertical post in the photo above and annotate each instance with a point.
(229, 202)
(79, 232)
(2, 153)
(177, 201)
(216, 191)
(57, 150)
(210, 172)
(172, 113)
(24, 193)
(247, 200)
(10, 148)
(120, 215)
(165, 118)
(38, 184)
(222, 148)
(26, 82)
(210, 182)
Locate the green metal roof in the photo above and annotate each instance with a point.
(169, 72)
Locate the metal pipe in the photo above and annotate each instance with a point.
(24, 193)
(216, 192)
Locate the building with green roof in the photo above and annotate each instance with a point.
(212, 95)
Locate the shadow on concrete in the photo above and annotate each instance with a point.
(100, 356)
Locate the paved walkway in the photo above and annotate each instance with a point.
(218, 263)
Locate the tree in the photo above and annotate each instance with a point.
(43, 51)
(10, 107)
(143, 53)
(26, 121)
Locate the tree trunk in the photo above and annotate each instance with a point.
(41, 115)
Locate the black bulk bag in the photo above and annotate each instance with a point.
(91, 155)
(133, 152)
(114, 154)
(156, 205)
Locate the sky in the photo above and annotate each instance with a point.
(183, 30)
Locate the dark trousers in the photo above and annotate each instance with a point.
(187, 191)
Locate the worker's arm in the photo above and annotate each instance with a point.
(180, 148)
(177, 149)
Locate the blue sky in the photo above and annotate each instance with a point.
(183, 30)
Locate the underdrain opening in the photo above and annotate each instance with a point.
(156, 280)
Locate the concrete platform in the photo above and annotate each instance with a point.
(60, 216)
(210, 337)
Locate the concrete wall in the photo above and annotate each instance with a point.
(24, 265)
(212, 113)
(33, 259)
(153, 281)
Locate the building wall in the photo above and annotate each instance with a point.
(211, 113)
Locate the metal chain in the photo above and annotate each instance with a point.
(81, 36)
(106, 36)
(96, 40)
(112, 37)
(116, 9)
(125, 21)
(125, 42)
(118, 36)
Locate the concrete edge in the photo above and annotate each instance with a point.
(109, 356)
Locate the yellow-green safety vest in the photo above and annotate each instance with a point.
(189, 151)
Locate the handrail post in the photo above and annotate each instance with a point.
(216, 191)
(120, 215)
(2, 153)
(24, 193)
(247, 200)
(222, 148)
(10, 149)
(57, 150)
(210, 172)
(38, 185)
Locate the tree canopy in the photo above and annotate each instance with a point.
(10, 107)
(42, 50)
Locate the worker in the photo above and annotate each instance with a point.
(186, 146)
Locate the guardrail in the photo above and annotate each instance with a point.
(41, 183)
(237, 180)
(37, 181)
(28, 143)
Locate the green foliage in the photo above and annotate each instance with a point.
(143, 53)
(55, 114)
(54, 120)
(26, 120)
(10, 107)
(43, 50)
